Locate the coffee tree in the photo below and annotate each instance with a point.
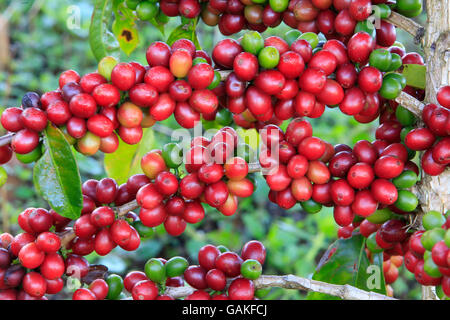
(389, 195)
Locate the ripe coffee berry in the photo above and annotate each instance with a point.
(123, 76)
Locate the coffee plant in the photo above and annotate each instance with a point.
(388, 195)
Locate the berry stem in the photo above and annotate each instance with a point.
(408, 25)
(6, 139)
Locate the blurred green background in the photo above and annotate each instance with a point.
(38, 45)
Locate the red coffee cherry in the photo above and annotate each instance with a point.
(104, 242)
(53, 266)
(341, 163)
(207, 256)
(365, 152)
(132, 278)
(89, 81)
(343, 215)
(229, 263)
(312, 80)
(195, 276)
(99, 287)
(174, 225)
(241, 289)
(388, 167)
(129, 115)
(68, 76)
(100, 125)
(225, 52)
(430, 166)
(25, 141)
(342, 193)
(364, 204)
(360, 10)
(106, 95)
(123, 76)
(370, 79)
(216, 279)
(34, 119)
(159, 77)
(148, 197)
(360, 46)
(106, 190)
(185, 115)
(34, 284)
(20, 241)
(84, 228)
(48, 242)
(443, 96)
(360, 175)
(312, 148)
(353, 103)
(49, 97)
(163, 107)
(40, 220)
(83, 105)
(200, 76)
(152, 163)
(254, 250)
(167, 183)
(158, 54)
(58, 112)
(102, 217)
(384, 191)
(5, 154)
(31, 256)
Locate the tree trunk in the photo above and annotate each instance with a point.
(434, 192)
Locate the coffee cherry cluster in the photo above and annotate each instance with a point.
(301, 163)
(220, 275)
(271, 81)
(215, 176)
(428, 256)
(337, 19)
(277, 79)
(89, 110)
(425, 253)
(32, 263)
(99, 228)
(434, 137)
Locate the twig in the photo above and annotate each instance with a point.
(407, 24)
(346, 292)
(6, 139)
(410, 103)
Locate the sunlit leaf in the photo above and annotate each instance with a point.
(56, 176)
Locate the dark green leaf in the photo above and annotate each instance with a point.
(56, 177)
(126, 160)
(415, 75)
(346, 262)
(102, 41)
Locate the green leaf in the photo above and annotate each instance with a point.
(56, 176)
(102, 41)
(415, 75)
(185, 31)
(126, 160)
(158, 26)
(346, 262)
(126, 33)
